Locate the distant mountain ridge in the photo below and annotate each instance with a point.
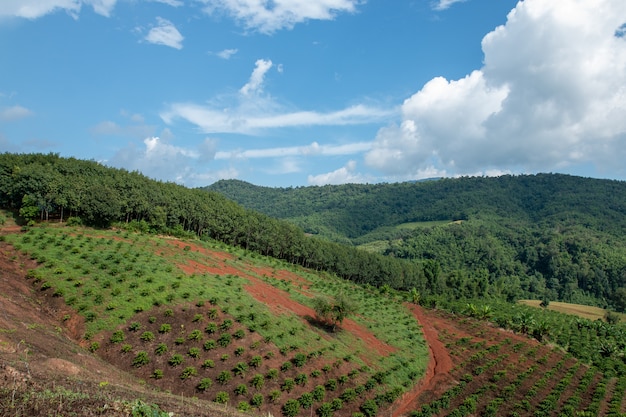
(352, 210)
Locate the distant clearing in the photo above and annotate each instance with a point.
(586, 312)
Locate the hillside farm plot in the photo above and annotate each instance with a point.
(209, 321)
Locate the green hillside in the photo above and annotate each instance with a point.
(547, 236)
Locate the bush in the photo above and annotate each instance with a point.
(241, 389)
(176, 360)
(211, 328)
(221, 398)
(257, 381)
(319, 392)
(147, 336)
(369, 408)
(243, 406)
(195, 335)
(255, 361)
(194, 352)
(165, 328)
(204, 384)
(157, 374)
(288, 385)
(224, 377)
(208, 364)
(117, 336)
(141, 359)
(160, 349)
(274, 396)
(257, 400)
(210, 344)
(224, 339)
(301, 379)
(306, 400)
(291, 408)
(188, 372)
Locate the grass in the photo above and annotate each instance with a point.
(583, 311)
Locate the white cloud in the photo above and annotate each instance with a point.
(445, 4)
(255, 84)
(551, 94)
(165, 33)
(8, 114)
(158, 158)
(343, 175)
(227, 53)
(34, 9)
(268, 16)
(251, 111)
(110, 128)
(314, 149)
(245, 120)
(173, 3)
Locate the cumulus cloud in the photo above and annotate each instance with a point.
(165, 33)
(227, 53)
(268, 16)
(551, 95)
(34, 9)
(344, 175)
(9, 114)
(158, 158)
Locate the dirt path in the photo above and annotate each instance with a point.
(437, 375)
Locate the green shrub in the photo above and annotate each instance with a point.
(221, 398)
(224, 377)
(291, 408)
(117, 336)
(188, 372)
(257, 400)
(160, 349)
(176, 360)
(194, 352)
(204, 384)
(141, 359)
(210, 344)
(165, 328)
(208, 364)
(241, 389)
(257, 381)
(147, 336)
(157, 374)
(195, 335)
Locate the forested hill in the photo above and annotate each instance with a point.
(548, 236)
(353, 210)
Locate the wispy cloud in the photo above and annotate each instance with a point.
(173, 3)
(165, 33)
(445, 4)
(34, 9)
(257, 77)
(270, 16)
(250, 112)
(8, 114)
(314, 149)
(238, 120)
(226, 53)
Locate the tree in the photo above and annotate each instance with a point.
(335, 311)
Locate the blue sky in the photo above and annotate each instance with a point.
(305, 92)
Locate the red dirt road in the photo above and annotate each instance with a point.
(437, 375)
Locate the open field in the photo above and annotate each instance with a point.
(583, 311)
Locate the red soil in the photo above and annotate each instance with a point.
(277, 300)
(437, 377)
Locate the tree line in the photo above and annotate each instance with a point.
(47, 187)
